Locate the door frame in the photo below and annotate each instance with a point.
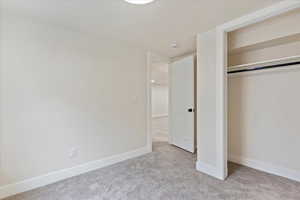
(149, 102)
(221, 72)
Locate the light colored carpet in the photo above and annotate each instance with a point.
(166, 174)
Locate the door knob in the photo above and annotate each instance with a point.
(190, 110)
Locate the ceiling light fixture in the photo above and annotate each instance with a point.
(139, 1)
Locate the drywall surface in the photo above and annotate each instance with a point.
(160, 128)
(66, 99)
(160, 105)
(206, 98)
(264, 54)
(274, 38)
(264, 118)
(159, 73)
(273, 28)
(159, 100)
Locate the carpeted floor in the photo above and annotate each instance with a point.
(166, 174)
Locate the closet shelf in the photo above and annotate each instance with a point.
(265, 63)
(266, 44)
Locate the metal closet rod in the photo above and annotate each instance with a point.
(264, 67)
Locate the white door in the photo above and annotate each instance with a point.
(181, 111)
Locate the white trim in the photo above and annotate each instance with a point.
(221, 39)
(53, 177)
(160, 116)
(149, 101)
(169, 104)
(267, 167)
(221, 103)
(163, 135)
(209, 170)
(261, 15)
(159, 85)
(176, 58)
(162, 131)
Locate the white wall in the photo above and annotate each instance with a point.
(264, 120)
(265, 54)
(270, 29)
(160, 128)
(206, 103)
(159, 100)
(160, 105)
(274, 38)
(60, 90)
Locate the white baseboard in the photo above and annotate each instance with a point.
(160, 116)
(56, 176)
(161, 132)
(209, 170)
(267, 167)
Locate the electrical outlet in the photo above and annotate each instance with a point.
(73, 153)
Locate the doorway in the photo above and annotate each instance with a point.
(160, 101)
(172, 86)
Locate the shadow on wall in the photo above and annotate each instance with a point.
(236, 119)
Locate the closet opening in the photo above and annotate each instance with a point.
(263, 79)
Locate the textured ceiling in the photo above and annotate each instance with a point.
(153, 26)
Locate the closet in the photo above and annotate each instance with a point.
(264, 95)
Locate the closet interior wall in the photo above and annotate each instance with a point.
(263, 106)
